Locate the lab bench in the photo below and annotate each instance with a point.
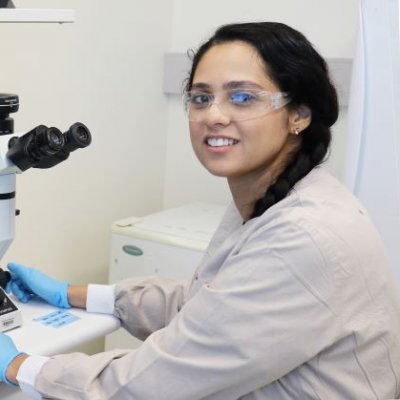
(47, 331)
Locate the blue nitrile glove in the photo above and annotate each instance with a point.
(8, 352)
(26, 283)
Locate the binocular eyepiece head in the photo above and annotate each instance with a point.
(44, 147)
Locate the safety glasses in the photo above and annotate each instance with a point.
(237, 104)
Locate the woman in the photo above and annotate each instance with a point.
(293, 298)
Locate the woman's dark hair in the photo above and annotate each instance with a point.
(296, 67)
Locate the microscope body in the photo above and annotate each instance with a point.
(10, 316)
(42, 148)
(8, 173)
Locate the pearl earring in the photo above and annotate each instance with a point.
(296, 131)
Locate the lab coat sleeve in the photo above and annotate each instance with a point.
(147, 304)
(258, 319)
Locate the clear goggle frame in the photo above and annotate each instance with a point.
(237, 104)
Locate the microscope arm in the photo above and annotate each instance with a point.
(7, 198)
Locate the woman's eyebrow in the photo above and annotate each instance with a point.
(229, 85)
(242, 84)
(201, 86)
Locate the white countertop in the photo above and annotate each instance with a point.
(34, 337)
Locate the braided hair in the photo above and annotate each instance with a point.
(296, 67)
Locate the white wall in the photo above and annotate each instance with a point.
(106, 71)
(330, 26)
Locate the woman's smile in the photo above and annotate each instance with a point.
(220, 144)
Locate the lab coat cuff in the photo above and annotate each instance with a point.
(27, 374)
(100, 299)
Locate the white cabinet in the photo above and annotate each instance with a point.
(170, 243)
(137, 257)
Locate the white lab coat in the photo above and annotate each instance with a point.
(298, 303)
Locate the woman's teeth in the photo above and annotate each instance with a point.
(219, 142)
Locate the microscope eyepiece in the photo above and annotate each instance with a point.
(77, 137)
(48, 141)
(29, 149)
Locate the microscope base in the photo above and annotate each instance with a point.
(10, 316)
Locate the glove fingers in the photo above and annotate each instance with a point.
(19, 292)
(21, 276)
(18, 273)
(15, 269)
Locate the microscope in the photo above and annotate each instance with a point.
(42, 148)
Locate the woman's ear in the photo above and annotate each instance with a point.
(299, 119)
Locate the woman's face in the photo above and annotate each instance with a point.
(243, 149)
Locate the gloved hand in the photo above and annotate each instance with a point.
(8, 352)
(27, 283)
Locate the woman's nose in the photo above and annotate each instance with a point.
(216, 115)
